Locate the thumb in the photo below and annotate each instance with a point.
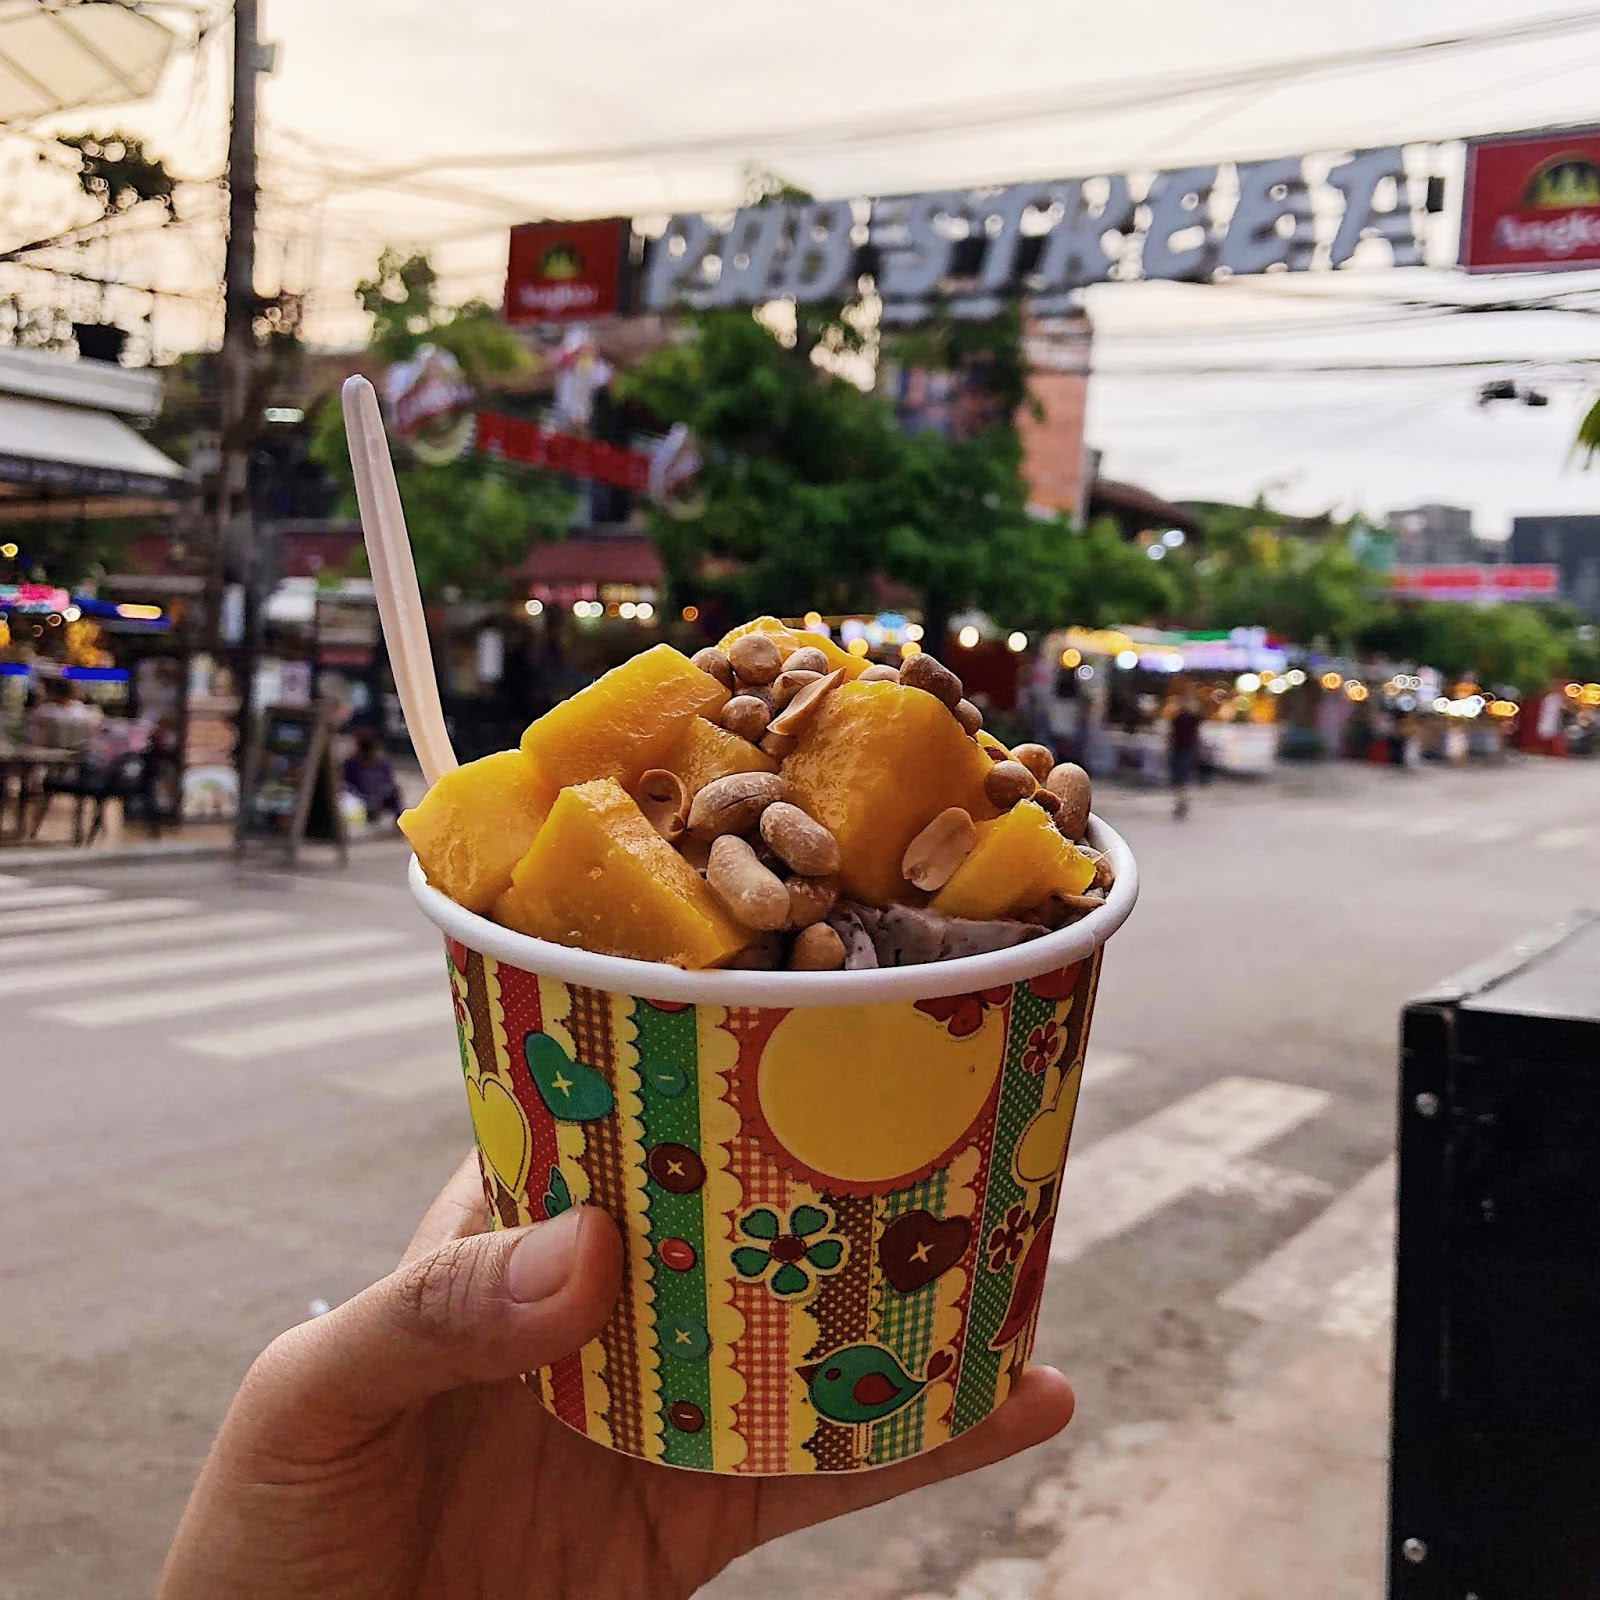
(476, 1310)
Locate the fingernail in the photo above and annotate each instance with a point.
(543, 1259)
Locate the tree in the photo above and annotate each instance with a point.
(473, 520)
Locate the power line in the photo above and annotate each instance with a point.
(1073, 104)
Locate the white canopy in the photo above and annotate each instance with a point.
(57, 55)
(48, 445)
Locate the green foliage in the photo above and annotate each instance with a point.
(1588, 441)
(471, 521)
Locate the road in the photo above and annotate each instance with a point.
(227, 1094)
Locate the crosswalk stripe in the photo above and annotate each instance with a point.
(1562, 838)
(89, 941)
(410, 1078)
(10, 881)
(13, 928)
(1494, 832)
(294, 1033)
(1337, 1273)
(1425, 827)
(62, 975)
(188, 999)
(63, 894)
(1127, 1177)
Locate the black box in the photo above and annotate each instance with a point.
(1495, 1464)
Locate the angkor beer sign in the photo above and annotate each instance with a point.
(972, 248)
(1532, 202)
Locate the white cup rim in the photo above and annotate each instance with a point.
(653, 980)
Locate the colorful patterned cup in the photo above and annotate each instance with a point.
(836, 1190)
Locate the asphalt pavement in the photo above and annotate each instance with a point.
(227, 1093)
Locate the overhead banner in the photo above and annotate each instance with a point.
(1532, 203)
(970, 249)
(1526, 581)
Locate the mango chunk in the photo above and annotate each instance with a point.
(476, 823)
(1018, 861)
(796, 639)
(876, 765)
(705, 751)
(599, 877)
(624, 722)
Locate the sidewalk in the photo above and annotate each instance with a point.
(1279, 1489)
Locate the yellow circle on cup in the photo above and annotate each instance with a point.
(870, 1094)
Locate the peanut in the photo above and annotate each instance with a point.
(1104, 873)
(817, 949)
(1057, 909)
(810, 900)
(1007, 782)
(746, 715)
(763, 954)
(755, 897)
(664, 801)
(932, 857)
(879, 673)
(806, 659)
(968, 715)
(733, 804)
(1036, 758)
(714, 664)
(802, 844)
(1047, 798)
(756, 658)
(779, 745)
(923, 672)
(789, 683)
(798, 713)
(1071, 783)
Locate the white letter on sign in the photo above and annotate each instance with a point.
(1254, 240)
(675, 259)
(1357, 180)
(1177, 202)
(747, 256)
(820, 257)
(1074, 250)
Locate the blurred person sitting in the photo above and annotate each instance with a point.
(63, 721)
(1183, 753)
(369, 776)
(390, 1447)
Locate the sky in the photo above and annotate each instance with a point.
(380, 112)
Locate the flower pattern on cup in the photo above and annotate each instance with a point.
(962, 1014)
(1008, 1240)
(788, 1254)
(1042, 1048)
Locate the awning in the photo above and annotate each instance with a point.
(61, 56)
(48, 450)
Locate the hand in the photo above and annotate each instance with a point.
(388, 1449)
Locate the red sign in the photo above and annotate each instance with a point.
(1532, 203)
(566, 271)
(1538, 581)
(529, 445)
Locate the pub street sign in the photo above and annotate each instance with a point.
(971, 249)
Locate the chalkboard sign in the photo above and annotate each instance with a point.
(291, 788)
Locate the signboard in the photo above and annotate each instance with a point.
(970, 249)
(291, 788)
(659, 472)
(1537, 581)
(566, 271)
(1532, 203)
(429, 403)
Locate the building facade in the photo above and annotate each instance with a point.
(1571, 542)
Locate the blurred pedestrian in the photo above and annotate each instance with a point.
(1183, 752)
(64, 721)
(390, 1448)
(369, 776)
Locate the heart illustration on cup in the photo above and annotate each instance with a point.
(502, 1131)
(919, 1247)
(573, 1091)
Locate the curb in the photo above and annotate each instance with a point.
(155, 850)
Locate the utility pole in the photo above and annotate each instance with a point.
(236, 367)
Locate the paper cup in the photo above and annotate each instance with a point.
(836, 1189)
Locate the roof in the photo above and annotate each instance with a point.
(595, 558)
(48, 448)
(41, 375)
(1108, 497)
(56, 58)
